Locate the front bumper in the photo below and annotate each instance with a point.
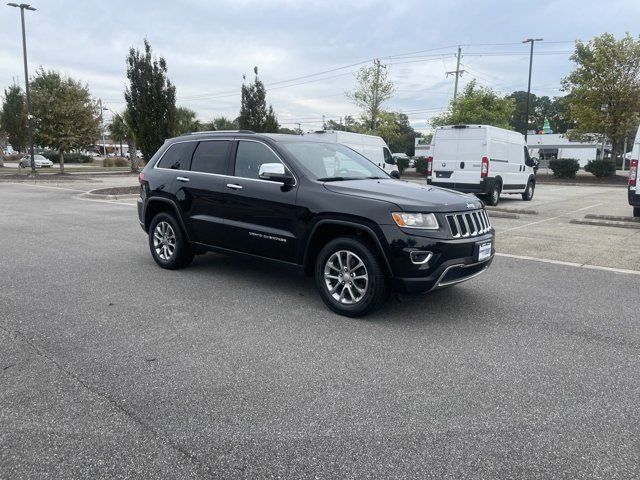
(453, 260)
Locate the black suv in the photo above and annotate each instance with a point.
(318, 206)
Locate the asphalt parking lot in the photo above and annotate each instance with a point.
(111, 367)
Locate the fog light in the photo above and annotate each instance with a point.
(420, 258)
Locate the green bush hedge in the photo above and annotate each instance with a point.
(601, 168)
(564, 167)
(421, 165)
(402, 163)
(69, 157)
(115, 162)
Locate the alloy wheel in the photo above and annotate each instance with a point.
(164, 241)
(346, 277)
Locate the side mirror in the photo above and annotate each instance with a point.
(395, 174)
(275, 172)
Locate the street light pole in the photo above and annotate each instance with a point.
(23, 7)
(526, 120)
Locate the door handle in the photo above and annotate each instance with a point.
(182, 179)
(235, 186)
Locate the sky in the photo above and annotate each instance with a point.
(307, 51)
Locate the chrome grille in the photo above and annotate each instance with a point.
(468, 224)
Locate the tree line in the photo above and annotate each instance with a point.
(602, 98)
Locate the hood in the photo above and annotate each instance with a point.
(408, 196)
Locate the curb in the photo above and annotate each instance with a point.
(524, 211)
(606, 223)
(101, 196)
(499, 214)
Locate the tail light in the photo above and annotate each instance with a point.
(484, 171)
(429, 166)
(140, 178)
(633, 173)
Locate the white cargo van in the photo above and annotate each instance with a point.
(372, 147)
(481, 159)
(634, 176)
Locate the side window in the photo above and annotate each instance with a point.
(250, 156)
(211, 157)
(527, 157)
(178, 156)
(388, 158)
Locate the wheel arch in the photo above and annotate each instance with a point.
(328, 229)
(158, 205)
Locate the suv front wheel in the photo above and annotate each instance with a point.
(350, 278)
(169, 247)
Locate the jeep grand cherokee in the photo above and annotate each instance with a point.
(321, 207)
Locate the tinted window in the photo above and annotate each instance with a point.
(250, 156)
(211, 157)
(388, 158)
(178, 156)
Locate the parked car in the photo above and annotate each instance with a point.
(370, 146)
(40, 161)
(481, 159)
(634, 177)
(317, 206)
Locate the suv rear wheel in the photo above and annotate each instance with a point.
(636, 211)
(350, 278)
(168, 245)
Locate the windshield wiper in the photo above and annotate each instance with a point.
(336, 179)
(377, 178)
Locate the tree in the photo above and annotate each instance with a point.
(540, 108)
(14, 118)
(65, 115)
(151, 100)
(254, 114)
(477, 105)
(185, 121)
(388, 127)
(121, 132)
(605, 88)
(371, 91)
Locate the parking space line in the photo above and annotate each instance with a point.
(552, 218)
(46, 186)
(570, 264)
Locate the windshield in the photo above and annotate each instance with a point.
(333, 162)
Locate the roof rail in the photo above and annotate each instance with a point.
(218, 131)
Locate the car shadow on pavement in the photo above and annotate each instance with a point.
(458, 303)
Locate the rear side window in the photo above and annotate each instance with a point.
(250, 156)
(211, 157)
(178, 156)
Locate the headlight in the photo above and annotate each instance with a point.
(427, 221)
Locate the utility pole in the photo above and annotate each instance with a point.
(324, 125)
(341, 123)
(526, 115)
(23, 7)
(457, 72)
(104, 143)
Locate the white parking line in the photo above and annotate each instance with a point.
(570, 264)
(548, 219)
(46, 186)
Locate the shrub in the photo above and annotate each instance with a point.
(69, 157)
(421, 165)
(402, 163)
(601, 168)
(564, 167)
(115, 162)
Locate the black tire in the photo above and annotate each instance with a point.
(374, 292)
(493, 197)
(181, 255)
(636, 211)
(527, 195)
